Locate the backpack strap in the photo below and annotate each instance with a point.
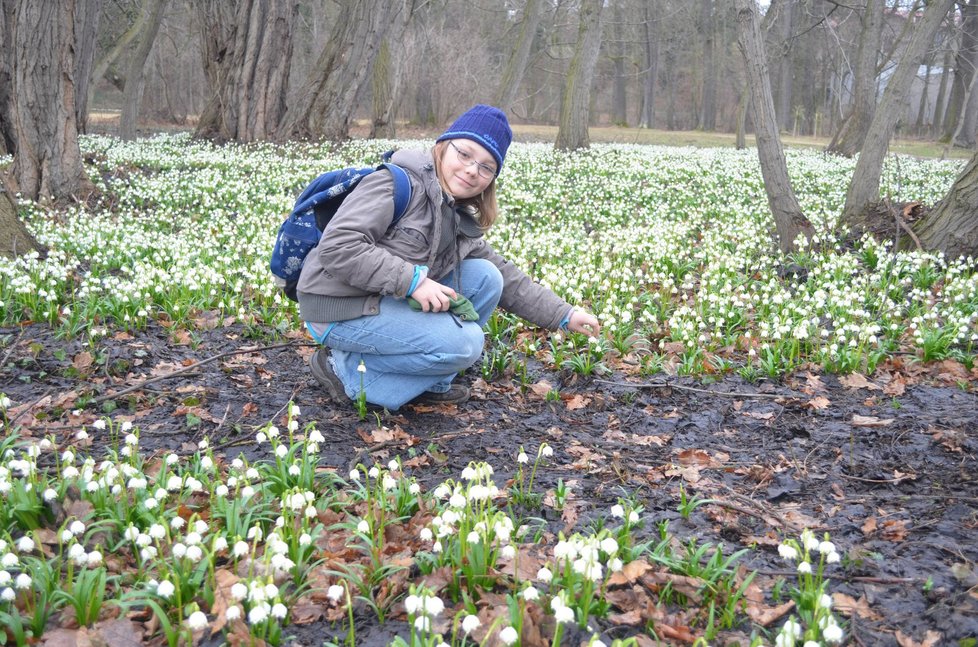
(402, 189)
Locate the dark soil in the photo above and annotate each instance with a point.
(886, 466)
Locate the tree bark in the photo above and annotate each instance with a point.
(574, 110)
(47, 161)
(6, 77)
(105, 64)
(619, 100)
(849, 139)
(326, 102)
(788, 217)
(864, 189)
(786, 75)
(964, 67)
(135, 79)
(938, 124)
(386, 76)
(15, 240)
(647, 118)
(513, 73)
(86, 27)
(708, 107)
(247, 49)
(952, 226)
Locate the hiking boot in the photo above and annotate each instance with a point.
(456, 394)
(322, 370)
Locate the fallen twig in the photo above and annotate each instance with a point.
(185, 369)
(667, 385)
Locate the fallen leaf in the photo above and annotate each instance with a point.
(869, 526)
(120, 632)
(223, 599)
(576, 401)
(931, 638)
(541, 389)
(82, 361)
(848, 605)
(764, 615)
(818, 403)
(630, 573)
(870, 421)
(896, 386)
(858, 381)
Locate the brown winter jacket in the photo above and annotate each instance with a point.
(361, 258)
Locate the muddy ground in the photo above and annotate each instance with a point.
(886, 465)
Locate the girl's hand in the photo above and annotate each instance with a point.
(584, 322)
(433, 296)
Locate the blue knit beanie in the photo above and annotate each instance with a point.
(486, 126)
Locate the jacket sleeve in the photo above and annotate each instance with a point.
(523, 296)
(348, 249)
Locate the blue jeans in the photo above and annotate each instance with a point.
(406, 352)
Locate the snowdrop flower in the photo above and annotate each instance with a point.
(787, 552)
(76, 527)
(240, 548)
(832, 558)
(8, 595)
(239, 591)
(165, 589)
(194, 554)
(633, 517)
(414, 489)
(812, 643)
(157, 531)
(470, 624)
(421, 623)
(826, 547)
(832, 633)
(316, 437)
(426, 534)
(825, 601)
(615, 565)
(25, 544)
(508, 636)
(393, 465)
(546, 450)
(531, 593)
(94, 558)
(354, 475)
(363, 526)
(473, 537)
(279, 611)
(5, 578)
(50, 494)
(468, 474)
(609, 545)
(545, 575)
(522, 458)
(220, 543)
(257, 614)
(412, 604)
(179, 550)
(508, 552)
(233, 613)
(457, 501)
(809, 540)
(618, 511)
(373, 472)
(563, 614)
(805, 568)
(23, 581)
(334, 592)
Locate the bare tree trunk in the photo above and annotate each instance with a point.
(133, 95)
(6, 77)
(86, 26)
(938, 124)
(788, 217)
(960, 136)
(47, 161)
(573, 133)
(15, 240)
(509, 84)
(742, 101)
(786, 75)
(918, 126)
(248, 55)
(849, 139)
(964, 66)
(864, 189)
(325, 104)
(647, 118)
(382, 94)
(619, 105)
(104, 64)
(708, 109)
(952, 226)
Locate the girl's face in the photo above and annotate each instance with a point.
(467, 168)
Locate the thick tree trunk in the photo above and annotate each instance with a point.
(247, 49)
(15, 240)
(708, 108)
(788, 217)
(6, 77)
(327, 100)
(849, 139)
(86, 27)
(864, 189)
(386, 76)
(952, 226)
(918, 126)
(785, 72)
(619, 105)
(647, 117)
(574, 110)
(107, 63)
(133, 95)
(964, 67)
(938, 124)
(47, 161)
(742, 101)
(509, 84)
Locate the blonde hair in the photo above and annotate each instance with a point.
(483, 206)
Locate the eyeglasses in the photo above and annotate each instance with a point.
(465, 157)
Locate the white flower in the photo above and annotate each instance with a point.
(157, 531)
(508, 552)
(50, 494)
(609, 545)
(632, 517)
(618, 511)
(414, 489)
(362, 368)
(194, 554)
(508, 636)
(468, 474)
(8, 595)
(165, 589)
(4, 578)
(94, 558)
(433, 605)
(363, 526)
(809, 540)
(825, 601)
(615, 565)
(470, 624)
(426, 534)
(788, 552)
(563, 614)
(826, 547)
(25, 544)
(76, 527)
(354, 475)
(373, 472)
(522, 458)
(457, 501)
(792, 628)
(334, 592)
(412, 604)
(233, 613)
(23, 581)
(473, 537)
(241, 548)
(545, 575)
(546, 450)
(421, 623)
(530, 594)
(258, 614)
(279, 611)
(197, 620)
(239, 591)
(804, 568)
(832, 558)
(832, 633)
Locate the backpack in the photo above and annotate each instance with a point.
(314, 208)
